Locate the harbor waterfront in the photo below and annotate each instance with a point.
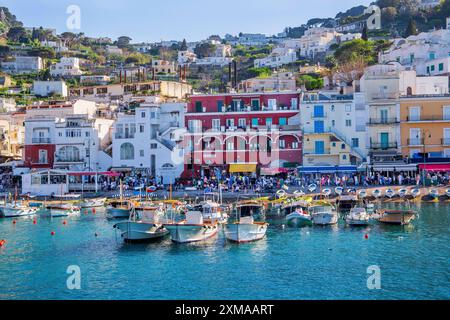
(312, 262)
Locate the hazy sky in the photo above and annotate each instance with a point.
(153, 20)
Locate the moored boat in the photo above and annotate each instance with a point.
(400, 217)
(60, 210)
(338, 190)
(118, 209)
(145, 225)
(362, 194)
(326, 192)
(92, 203)
(312, 187)
(389, 193)
(323, 213)
(11, 210)
(358, 216)
(415, 192)
(434, 193)
(403, 192)
(193, 229)
(447, 193)
(245, 230)
(299, 218)
(376, 193)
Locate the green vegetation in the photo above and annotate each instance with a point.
(263, 72)
(311, 82)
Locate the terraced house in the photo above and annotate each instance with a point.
(245, 133)
(425, 129)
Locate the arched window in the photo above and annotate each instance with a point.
(168, 166)
(126, 151)
(68, 153)
(409, 91)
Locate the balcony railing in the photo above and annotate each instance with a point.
(386, 95)
(316, 152)
(40, 140)
(415, 142)
(375, 121)
(124, 135)
(318, 115)
(383, 146)
(427, 118)
(68, 160)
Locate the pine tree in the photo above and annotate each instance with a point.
(411, 30)
(183, 45)
(364, 35)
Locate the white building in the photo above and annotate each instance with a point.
(58, 46)
(48, 88)
(163, 66)
(113, 50)
(315, 41)
(279, 56)
(23, 64)
(334, 129)
(186, 57)
(147, 141)
(213, 61)
(7, 104)
(95, 79)
(417, 50)
(67, 67)
(349, 37)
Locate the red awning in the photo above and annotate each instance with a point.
(435, 167)
(273, 171)
(90, 173)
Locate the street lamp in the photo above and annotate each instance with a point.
(426, 132)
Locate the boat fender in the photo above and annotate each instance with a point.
(64, 222)
(14, 222)
(93, 211)
(2, 242)
(366, 236)
(52, 233)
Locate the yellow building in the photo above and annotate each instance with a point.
(425, 127)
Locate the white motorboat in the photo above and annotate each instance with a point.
(245, 230)
(312, 187)
(338, 190)
(362, 194)
(358, 216)
(326, 192)
(93, 203)
(434, 193)
(60, 210)
(145, 225)
(403, 192)
(447, 193)
(299, 193)
(389, 193)
(376, 193)
(299, 218)
(193, 229)
(11, 210)
(323, 214)
(415, 192)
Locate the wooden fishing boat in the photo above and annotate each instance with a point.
(401, 217)
(120, 208)
(60, 210)
(193, 229)
(93, 203)
(299, 217)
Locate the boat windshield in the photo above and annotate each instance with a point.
(246, 211)
(317, 209)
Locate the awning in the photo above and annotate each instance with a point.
(327, 169)
(91, 173)
(273, 171)
(122, 169)
(242, 167)
(391, 168)
(441, 167)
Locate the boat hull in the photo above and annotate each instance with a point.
(239, 232)
(357, 222)
(397, 217)
(140, 231)
(16, 212)
(191, 233)
(324, 218)
(298, 220)
(59, 212)
(118, 213)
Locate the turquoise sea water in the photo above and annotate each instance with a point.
(291, 263)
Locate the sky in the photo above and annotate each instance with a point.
(156, 20)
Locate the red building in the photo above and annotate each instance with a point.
(242, 132)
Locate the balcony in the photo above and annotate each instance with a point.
(427, 118)
(415, 142)
(318, 115)
(385, 95)
(41, 140)
(382, 121)
(383, 146)
(315, 152)
(124, 136)
(69, 160)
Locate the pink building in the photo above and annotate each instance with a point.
(252, 133)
